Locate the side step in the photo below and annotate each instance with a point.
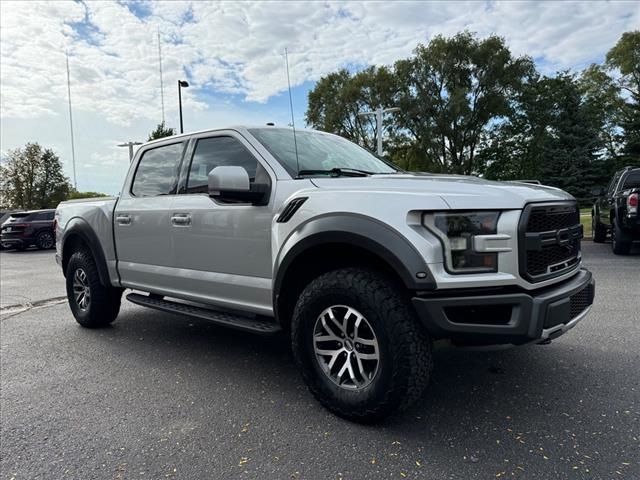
(248, 324)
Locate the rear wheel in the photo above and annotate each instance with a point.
(598, 230)
(93, 305)
(620, 243)
(45, 240)
(359, 346)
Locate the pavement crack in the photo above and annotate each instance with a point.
(11, 311)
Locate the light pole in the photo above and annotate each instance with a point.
(181, 84)
(130, 145)
(379, 113)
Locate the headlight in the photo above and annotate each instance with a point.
(456, 231)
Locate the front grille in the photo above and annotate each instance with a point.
(580, 301)
(543, 220)
(552, 258)
(549, 240)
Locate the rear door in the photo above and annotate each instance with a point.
(142, 219)
(223, 251)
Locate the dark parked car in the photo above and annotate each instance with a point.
(23, 229)
(616, 211)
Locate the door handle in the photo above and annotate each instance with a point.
(123, 219)
(181, 220)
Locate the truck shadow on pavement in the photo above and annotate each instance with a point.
(470, 391)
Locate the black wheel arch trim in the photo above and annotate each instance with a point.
(360, 231)
(81, 228)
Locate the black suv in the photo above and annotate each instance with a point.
(24, 229)
(616, 210)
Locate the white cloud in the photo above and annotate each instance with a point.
(236, 48)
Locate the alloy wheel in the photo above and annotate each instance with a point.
(46, 240)
(346, 347)
(81, 289)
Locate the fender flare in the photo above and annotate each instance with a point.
(360, 231)
(81, 228)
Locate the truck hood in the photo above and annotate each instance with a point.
(459, 192)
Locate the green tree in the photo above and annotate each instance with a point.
(625, 58)
(161, 131)
(32, 178)
(76, 195)
(553, 136)
(449, 93)
(336, 100)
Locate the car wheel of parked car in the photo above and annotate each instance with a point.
(92, 304)
(598, 230)
(45, 240)
(619, 242)
(359, 345)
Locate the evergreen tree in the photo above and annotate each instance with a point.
(161, 131)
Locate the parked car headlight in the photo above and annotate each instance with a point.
(456, 231)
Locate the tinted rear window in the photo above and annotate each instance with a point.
(632, 181)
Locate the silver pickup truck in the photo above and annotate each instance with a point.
(361, 264)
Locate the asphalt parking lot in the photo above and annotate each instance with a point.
(163, 396)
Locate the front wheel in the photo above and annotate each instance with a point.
(598, 230)
(93, 305)
(359, 345)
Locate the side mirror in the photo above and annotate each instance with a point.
(231, 184)
(597, 192)
(223, 180)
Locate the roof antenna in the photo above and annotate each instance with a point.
(293, 122)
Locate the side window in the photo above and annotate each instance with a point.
(614, 182)
(40, 217)
(218, 152)
(157, 172)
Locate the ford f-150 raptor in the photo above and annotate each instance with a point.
(361, 264)
(616, 211)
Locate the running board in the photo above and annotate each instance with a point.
(248, 324)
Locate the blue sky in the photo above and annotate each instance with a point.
(232, 55)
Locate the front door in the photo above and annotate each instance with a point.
(222, 251)
(142, 220)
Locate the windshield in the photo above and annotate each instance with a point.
(317, 151)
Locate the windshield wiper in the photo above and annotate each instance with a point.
(337, 172)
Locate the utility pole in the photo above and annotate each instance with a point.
(130, 145)
(73, 149)
(161, 80)
(379, 114)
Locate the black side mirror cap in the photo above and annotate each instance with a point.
(258, 194)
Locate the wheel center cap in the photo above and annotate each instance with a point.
(348, 345)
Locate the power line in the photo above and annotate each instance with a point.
(73, 150)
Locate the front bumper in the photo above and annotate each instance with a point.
(507, 317)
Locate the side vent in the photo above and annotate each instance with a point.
(290, 210)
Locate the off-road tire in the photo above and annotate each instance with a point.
(405, 348)
(620, 243)
(104, 302)
(598, 230)
(45, 240)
